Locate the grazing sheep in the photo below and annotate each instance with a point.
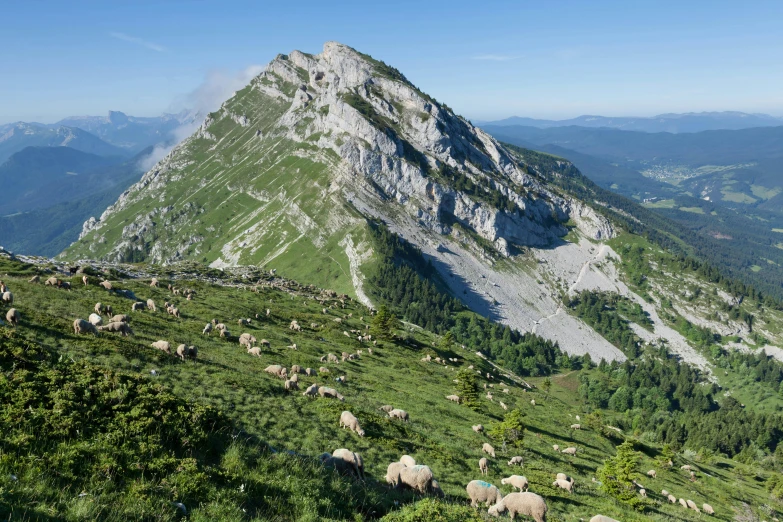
(602, 518)
(419, 478)
(35, 279)
(13, 316)
(408, 461)
(182, 351)
(436, 489)
(484, 466)
(533, 402)
(52, 281)
(664, 493)
(489, 396)
(224, 333)
(652, 474)
(683, 503)
(243, 322)
(65, 285)
(643, 493)
(569, 451)
(332, 358)
(672, 499)
(311, 391)
(207, 329)
(106, 284)
(528, 504)
(484, 492)
(516, 461)
(486, 448)
(310, 372)
(275, 369)
(294, 377)
(503, 405)
(138, 306)
(323, 369)
(95, 319)
(348, 420)
(387, 408)
(399, 414)
(564, 484)
(576, 426)
(691, 504)
(516, 481)
(256, 351)
(686, 467)
(291, 385)
(8, 298)
(154, 282)
(556, 447)
(121, 318)
(324, 392)
(353, 459)
(340, 379)
(117, 326)
(151, 305)
(264, 342)
(81, 326)
(247, 340)
(563, 476)
(296, 369)
(174, 311)
(337, 463)
(453, 398)
(393, 473)
(192, 352)
(163, 346)
(478, 428)
(708, 509)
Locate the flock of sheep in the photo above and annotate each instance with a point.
(405, 473)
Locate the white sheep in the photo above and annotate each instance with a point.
(393, 473)
(488, 449)
(453, 398)
(602, 518)
(13, 316)
(255, 351)
(81, 326)
(516, 481)
(516, 461)
(163, 346)
(556, 447)
(576, 426)
(484, 466)
(652, 474)
(483, 492)
(207, 329)
(151, 305)
(563, 484)
(399, 414)
(708, 509)
(291, 385)
(526, 503)
(95, 319)
(311, 390)
(478, 428)
(569, 451)
(408, 461)
(419, 478)
(8, 298)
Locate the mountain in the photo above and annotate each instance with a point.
(38, 177)
(131, 133)
(17, 136)
(50, 229)
(673, 123)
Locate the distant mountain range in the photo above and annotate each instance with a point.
(18, 136)
(674, 123)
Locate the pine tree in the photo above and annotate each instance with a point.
(618, 473)
(467, 389)
(447, 341)
(546, 385)
(511, 430)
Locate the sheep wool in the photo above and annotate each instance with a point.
(528, 504)
(516, 481)
(483, 492)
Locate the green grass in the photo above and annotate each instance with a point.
(765, 192)
(737, 197)
(663, 203)
(755, 268)
(254, 407)
(692, 210)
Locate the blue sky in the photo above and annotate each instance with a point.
(487, 59)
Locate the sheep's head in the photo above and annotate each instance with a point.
(497, 509)
(503, 481)
(360, 432)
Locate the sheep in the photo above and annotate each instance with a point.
(207, 329)
(348, 420)
(324, 392)
(708, 509)
(291, 385)
(480, 491)
(138, 306)
(556, 447)
(256, 351)
(576, 426)
(95, 319)
(484, 466)
(526, 503)
(489, 450)
(503, 405)
(563, 484)
(52, 281)
(35, 279)
(117, 326)
(643, 493)
(353, 459)
(602, 518)
(652, 474)
(408, 461)
(516, 481)
(332, 358)
(106, 284)
(436, 489)
(192, 352)
(323, 369)
(683, 503)
(453, 398)
(664, 493)
(418, 478)
(247, 340)
(569, 451)
(65, 285)
(337, 463)
(310, 372)
(489, 396)
(264, 342)
(672, 499)
(399, 414)
(224, 333)
(13, 316)
(533, 402)
(154, 282)
(81, 326)
(516, 461)
(393, 473)
(120, 318)
(163, 346)
(182, 351)
(296, 369)
(686, 467)
(295, 326)
(478, 428)
(311, 391)
(8, 298)
(294, 377)
(275, 369)
(563, 476)
(691, 504)
(151, 305)
(386, 407)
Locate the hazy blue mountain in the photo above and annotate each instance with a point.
(17, 136)
(38, 177)
(674, 123)
(128, 132)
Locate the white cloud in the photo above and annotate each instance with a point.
(138, 41)
(216, 88)
(494, 57)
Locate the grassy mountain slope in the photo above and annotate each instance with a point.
(226, 466)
